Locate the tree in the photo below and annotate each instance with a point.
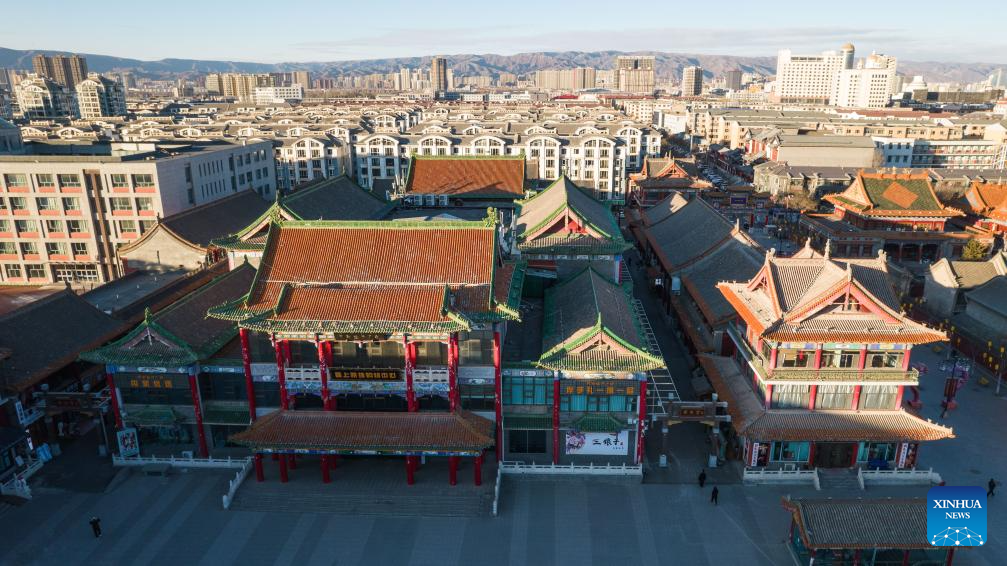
(974, 250)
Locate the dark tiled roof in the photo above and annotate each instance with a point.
(335, 198)
(216, 219)
(860, 523)
(357, 430)
(47, 334)
(472, 176)
(973, 273)
(688, 234)
(992, 295)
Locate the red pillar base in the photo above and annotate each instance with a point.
(325, 470)
(283, 468)
(260, 475)
(410, 470)
(453, 470)
(479, 470)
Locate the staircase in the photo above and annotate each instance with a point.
(839, 480)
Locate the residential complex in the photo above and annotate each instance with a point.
(99, 97)
(635, 74)
(692, 81)
(65, 70)
(65, 208)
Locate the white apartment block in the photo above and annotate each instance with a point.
(266, 95)
(39, 97)
(942, 154)
(869, 86)
(64, 210)
(306, 159)
(99, 97)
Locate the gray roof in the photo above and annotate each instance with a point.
(688, 234)
(862, 523)
(992, 295)
(218, 218)
(973, 273)
(336, 198)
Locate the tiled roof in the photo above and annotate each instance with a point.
(860, 523)
(180, 334)
(377, 276)
(590, 325)
(795, 303)
(664, 208)
(988, 199)
(202, 224)
(992, 295)
(688, 234)
(903, 194)
(561, 197)
(48, 334)
(468, 176)
(734, 260)
(382, 432)
(971, 274)
(751, 419)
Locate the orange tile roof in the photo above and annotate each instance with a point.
(365, 302)
(467, 176)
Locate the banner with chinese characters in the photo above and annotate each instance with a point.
(598, 443)
(129, 442)
(372, 374)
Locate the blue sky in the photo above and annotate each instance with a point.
(299, 30)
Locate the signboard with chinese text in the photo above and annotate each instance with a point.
(165, 381)
(372, 374)
(129, 442)
(598, 443)
(599, 387)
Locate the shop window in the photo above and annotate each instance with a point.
(790, 452)
(527, 441)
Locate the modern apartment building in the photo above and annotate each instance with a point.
(635, 73)
(64, 209)
(733, 79)
(65, 70)
(40, 97)
(439, 74)
(99, 97)
(869, 86)
(237, 85)
(565, 79)
(692, 81)
(265, 95)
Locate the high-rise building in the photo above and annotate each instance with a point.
(65, 70)
(98, 97)
(870, 85)
(565, 79)
(291, 78)
(810, 78)
(439, 74)
(692, 81)
(636, 73)
(42, 97)
(237, 85)
(732, 80)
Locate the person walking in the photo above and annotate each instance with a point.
(992, 487)
(714, 494)
(96, 526)
(702, 478)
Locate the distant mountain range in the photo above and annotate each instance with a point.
(668, 65)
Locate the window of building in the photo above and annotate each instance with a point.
(878, 396)
(7, 248)
(3, 204)
(76, 272)
(23, 226)
(69, 180)
(45, 180)
(127, 226)
(119, 204)
(35, 271)
(884, 360)
(477, 397)
(146, 225)
(834, 397)
(527, 390)
(879, 452)
(71, 203)
(77, 226)
(790, 396)
(795, 358)
(54, 226)
(145, 203)
(13, 270)
(29, 248)
(15, 179)
(79, 248)
(47, 203)
(119, 180)
(18, 203)
(526, 441)
(55, 248)
(790, 452)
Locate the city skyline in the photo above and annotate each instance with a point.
(741, 30)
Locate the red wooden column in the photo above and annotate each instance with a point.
(453, 394)
(772, 359)
(194, 390)
(905, 358)
(818, 357)
(410, 350)
(898, 397)
(281, 374)
(642, 419)
(856, 397)
(863, 358)
(813, 393)
(286, 352)
(769, 396)
(479, 470)
(555, 419)
(498, 393)
(325, 470)
(856, 450)
(323, 375)
(113, 397)
(283, 468)
(246, 361)
(811, 455)
(260, 475)
(410, 470)
(453, 470)
(951, 556)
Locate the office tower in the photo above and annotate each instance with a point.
(868, 86)
(99, 97)
(439, 74)
(848, 52)
(636, 73)
(692, 81)
(65, 70)
(732, 80)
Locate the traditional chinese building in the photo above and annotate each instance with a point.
(463, 181)
(897, 212)
(575, 381)
(378, 329)
(986, 203)
(663, 175)
(820, 366)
